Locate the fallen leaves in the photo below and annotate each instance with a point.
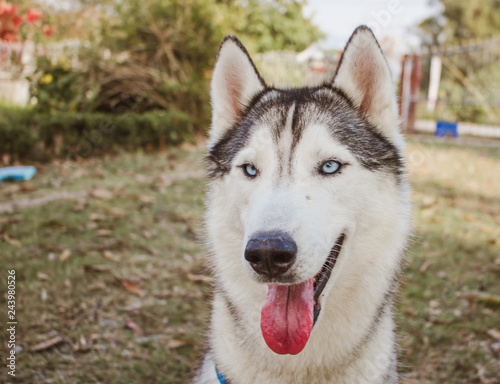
(100, 193)
(174, 343)
(97, 217)
(110, 256)
(80, 206)
(116, 213)
(93, 312)
(488, 269)
(104, 233)
(145, 199)
(17, 205)
(494, 333)
(10, 220)
(200, 278)
(97, 268)
(42, 276)
(47, 344)
(134, 327)
(483, 297)
(425, 266)
(64, 255)
(14, 242)
(132, 288)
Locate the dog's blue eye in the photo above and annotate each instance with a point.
(330, 167)
(250, 170)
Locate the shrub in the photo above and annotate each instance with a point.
(26, 134)
(58, 87)
(148, 56)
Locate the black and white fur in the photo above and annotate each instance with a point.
(285, 134)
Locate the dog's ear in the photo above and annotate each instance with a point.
(364, 76)
(235, 82)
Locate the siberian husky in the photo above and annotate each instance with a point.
(308, 220)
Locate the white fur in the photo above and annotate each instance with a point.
(234, 83)
(371, 208)
(365, 77)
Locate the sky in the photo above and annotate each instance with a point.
(338, 18)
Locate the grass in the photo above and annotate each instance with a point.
(456, 250)
(114, 275)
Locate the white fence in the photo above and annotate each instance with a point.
(68, 49)
(11, 57)
(18, 60)
(284, 69)
(14, 88)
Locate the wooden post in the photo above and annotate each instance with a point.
(404, 59)
(416, 74)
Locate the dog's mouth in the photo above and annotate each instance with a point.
(323, 276)
(291, 311)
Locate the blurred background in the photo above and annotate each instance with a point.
(104, 107)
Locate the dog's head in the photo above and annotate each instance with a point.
(298, 177)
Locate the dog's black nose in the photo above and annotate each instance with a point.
(271, 253)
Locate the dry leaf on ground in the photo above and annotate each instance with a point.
(97, 217)
(42, 276)
(64, 255)
(47, 344)
(202, 278)
(102, 194)
(178, 343)
(132, 288)
(110, 256)
(484, 297)
(97, 268)
(134, 327)
(103, 233)
(494, 333)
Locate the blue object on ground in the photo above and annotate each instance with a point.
(445, 128)
(17, 173)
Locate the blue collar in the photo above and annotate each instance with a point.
(222, 379)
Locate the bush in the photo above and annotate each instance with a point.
(58, 87)
(146, 56)
(16, 133)
(26, 134)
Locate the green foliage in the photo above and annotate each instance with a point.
(16, 131)
(161, 55)
(270, 25)
(460, 23)
(462, 20)
(158, 54)
(471, 19)
(26, 134)
(58, 87)
(153, 55)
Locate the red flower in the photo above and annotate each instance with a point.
(33, 15)
(17, 21)
(47, 30)
(8, 36)
(7, 9)
(10, 21)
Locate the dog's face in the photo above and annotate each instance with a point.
(296, 175)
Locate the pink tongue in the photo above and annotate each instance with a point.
(287, 317)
